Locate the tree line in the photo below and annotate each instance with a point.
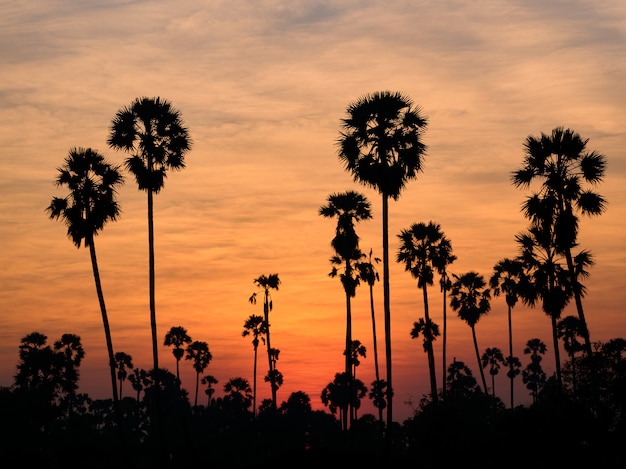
(381, 145)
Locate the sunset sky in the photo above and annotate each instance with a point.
(262, 87)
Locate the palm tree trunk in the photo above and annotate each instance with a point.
(195, 402)
(380, 411)
(579, 303)
(482, 373)
(511, 353)
(387, 310)
(431, 354)
(444, 344)
(557, 354)
(266, 311)
(254, 383)
(349, 421)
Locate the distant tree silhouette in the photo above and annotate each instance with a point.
(151, 131)
(177, 337)
(198, 352)
(380, 144)
(139, 379)
(514, 369)
(508, 277)
(348, 207)
(420, 252)
(471, 299)
(209, 381)
(368, 273)
(254, 326)
(378, 394)
(267, 282)
(429, 332)
(533, 375)
(460, 380)
(90, 205)
(493, 358)
(71, 353)
(122, 361)
(563, 164)
(568, 329)
(238, 396)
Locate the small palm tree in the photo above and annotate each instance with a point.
(267, 283)
(381, 145)
(533, 375)
(209, 381)
(509, 278)
(239, 394)
(569, 329)
(177, 337)
(139, 380)
(199, 353)
(122, 361)
(471, 300)
(429, 331)
(493, 358)
(90, 205)
(254, 326)
(563, 164)
(71, 349)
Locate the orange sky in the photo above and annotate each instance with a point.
(262, 87)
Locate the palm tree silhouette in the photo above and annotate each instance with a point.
(177, 337)
(209, 381)
(122, 361)
(429, 331)
(267, 282)
(349, 207)
(563, 164)
(139, 379)
(254, 326)
(420, 252)
(470, 299)
(380, 144)
(91, 203)
(368, 273)
(493, 358)
(199, 353)
(569, 329)
(533, 375)
(72, 351)
(151, 131)
(508, 278)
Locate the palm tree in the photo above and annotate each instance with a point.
(151, 131)
(198, 352)
(419, 251)
(91, 203)
(470, 299)
(239, 394)
(430, 331)
(569, 329)
(368, 273)
(209, 381)
(508, 278)
(348, 207)
(139, 379)
(563, 164)
(381, 145)
(493, 358)
(72, 351)
(267, 282)
(514, 366)
(122, 361)
(177, 337)
(533, 375)
(254, 326)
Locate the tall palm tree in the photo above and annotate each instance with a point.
(348, 207)
(441, 262)
(267, 283)
(177, 337)
(123, 361)
(151, 131)
(254, 326)
(368, 273)
(508, 278)
(199, 353)
(429, 331)
(470, 298)
(493, 358)
(420, 251)
(90, 205)
(563, 164)
(381, 145)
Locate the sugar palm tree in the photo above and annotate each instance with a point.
(139, 379)
(254, 326)
(177, 337)
(470, 298)
(348, 207)
(429, 331)
(493, 358)
(420, 251)
(209, 381)
(569, 329)
(381, 145)
(267, 283)
(72, 351)
(508, 278)
(533, 375)
(151, 131)
(122, 362)
(89, 206)
(564, 166)
(199, 353)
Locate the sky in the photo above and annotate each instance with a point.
(262, 88)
